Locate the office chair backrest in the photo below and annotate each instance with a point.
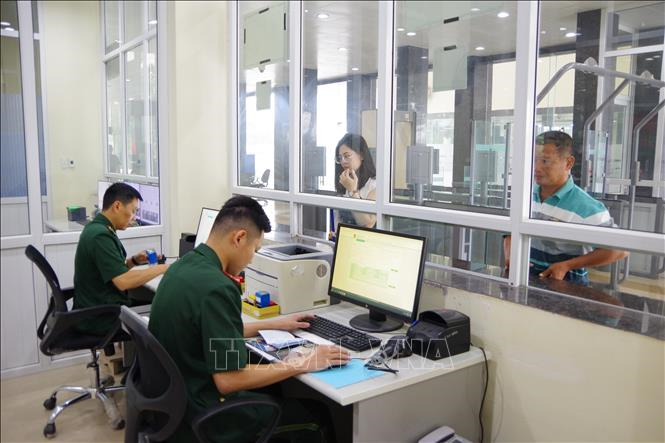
(156, 394)
(40, 261)
(265, 176)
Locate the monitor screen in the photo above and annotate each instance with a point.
(205, 225)
(380, 270)
(149, 211)
(102, 186)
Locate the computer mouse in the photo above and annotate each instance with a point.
(397, 347)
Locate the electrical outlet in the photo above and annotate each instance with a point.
(67, 163)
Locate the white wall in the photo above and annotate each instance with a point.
(198, 112)
(71, 39)
(554, 378)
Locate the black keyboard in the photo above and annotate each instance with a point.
(341, 335)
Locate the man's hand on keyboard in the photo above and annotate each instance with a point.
(323, 357)
(292, 322)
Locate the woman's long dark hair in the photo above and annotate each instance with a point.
(367, 169)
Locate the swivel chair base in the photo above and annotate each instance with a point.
(100, 390)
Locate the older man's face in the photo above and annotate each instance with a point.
(551, 168)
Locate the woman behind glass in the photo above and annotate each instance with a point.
(356, 178)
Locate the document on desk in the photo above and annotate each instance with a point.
(353, 372)
(281, 339)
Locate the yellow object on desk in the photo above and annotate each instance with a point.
(253, 310)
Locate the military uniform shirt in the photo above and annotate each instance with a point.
(196, 316)
(100, 257)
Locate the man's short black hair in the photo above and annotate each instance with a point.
(562, 141)
(239, 212)
(121, 192)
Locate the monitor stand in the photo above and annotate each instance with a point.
(375, 322)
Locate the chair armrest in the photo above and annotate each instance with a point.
(200, 419)
(68, 293)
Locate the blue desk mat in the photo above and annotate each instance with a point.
(354, 372)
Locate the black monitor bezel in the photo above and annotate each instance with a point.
(421, 270)
(198, 225)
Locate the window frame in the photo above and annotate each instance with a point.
(143, 40)
(518, 223)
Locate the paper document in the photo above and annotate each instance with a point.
(280, 339)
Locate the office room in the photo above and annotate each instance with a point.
(474, 191)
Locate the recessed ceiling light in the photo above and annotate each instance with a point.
(322, 16)
(342, 49)
(355, 69)
(543, 32)
(562, 28)
(656, 56)
(480, 48)
(503, 14)
(10, 29)
(306, 10)
(411, 34)
(424, 57)
(571, 34)
(649, 59)
(152, 22)
(400, 29)
(475, 9)
(5, 23)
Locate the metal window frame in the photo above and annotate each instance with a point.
(518, 224)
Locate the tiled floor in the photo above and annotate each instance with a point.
(23, 416)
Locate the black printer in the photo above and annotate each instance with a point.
(440, 333)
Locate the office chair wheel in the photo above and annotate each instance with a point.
(49, 403)
(49, 430)
(120, 424)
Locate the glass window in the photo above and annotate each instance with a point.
(112, 25)
(134, 19)
(152, 14)
(454, 103)
(469, 249)
(279, 214)
(321, 222)
(597, 160)
(153, 111)
(340, 68)
(263, 100)
(135, 110)
(14, 183)
(115, 140)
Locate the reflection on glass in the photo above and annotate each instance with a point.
(340, 60)
(152, 115)
(456, 246)
(616, 163)
(279, 214)
(115, 140)
(112, 24)
(152, 14)
(135, 110)
(454, 103)
(320, 222)
(14, 181)
(263, 100)
(135, 20)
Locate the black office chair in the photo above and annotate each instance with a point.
(156, 393)
(58, 334)
(261, 182)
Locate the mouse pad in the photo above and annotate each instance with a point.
(354, 372)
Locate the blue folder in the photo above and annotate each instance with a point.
(354, 372)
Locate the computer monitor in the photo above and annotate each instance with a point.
(102, 186)
(205, 225)
(381, 271)
(149, 207)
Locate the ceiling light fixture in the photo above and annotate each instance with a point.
(10, 29)
(475, 9)
(503, 14)
(342, 49)
(424, 57)
(355, 69)
(649, 59)
(543, 32)
(571, 34)
(400, 29)
(411, 34)
(152, 22)
(322, 16)
(5, 23)
(562, 28)
(480, 48)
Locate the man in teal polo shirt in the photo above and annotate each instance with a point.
(196, 316)
(557, 198)
(101, 267)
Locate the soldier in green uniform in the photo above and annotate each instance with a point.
(196, 316)
(101, 266)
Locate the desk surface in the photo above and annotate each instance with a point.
(63, 225)
(412, 370)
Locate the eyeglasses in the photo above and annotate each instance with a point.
(346, 157)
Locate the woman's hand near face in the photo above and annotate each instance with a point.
(349, 180)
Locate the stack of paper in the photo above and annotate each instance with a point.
(281, 339)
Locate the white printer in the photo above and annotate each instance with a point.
(295, 275)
